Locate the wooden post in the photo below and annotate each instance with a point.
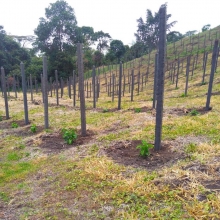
(46, 117)
(57, 89)
(214, 55)
(4, 92)
(187, 74)
(94, 86)
(81, 89)
(160, 78)
(119, 86)
(24, 93)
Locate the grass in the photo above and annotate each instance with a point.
(82, 182)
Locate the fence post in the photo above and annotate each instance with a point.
(214, 55)
(81, 89)
(93, 86)
(4, 92)
(119, 87)
(155, 80)
(45, 95)
(24, 93)
(160, 78)
(56, 79)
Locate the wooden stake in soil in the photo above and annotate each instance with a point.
(214, 56)
(31, 87)
(56, 78)
(187, 74)
(45, 96)
(160, 82)
(94, 86)
(120, 84)
(4, 92)
(24, 93)
(74, 88)
(155, 80)
(81, 89)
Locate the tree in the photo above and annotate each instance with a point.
(117, 48)
(98, 58)
(148, 31)
(24, 40)
(11, 54)
(190, 33)
(206, 27)
(174, 36)
(56, 36)
(102, 39)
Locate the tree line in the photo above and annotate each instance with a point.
(57, 35)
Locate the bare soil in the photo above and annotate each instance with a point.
(126, 153)
(54, 142)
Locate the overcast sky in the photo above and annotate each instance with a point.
(116, 17)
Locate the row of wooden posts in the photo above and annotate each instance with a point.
(158, 88)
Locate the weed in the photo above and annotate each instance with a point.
(144, 148)
(105, 110)
(191, 148)
(194, 112)
(183, 95)
(69, 135)
(4, 197)
(14, 125)
(33, 128)
(1, 118)
(137, 110)
(203, 83)
(13, 156)
(21, 146)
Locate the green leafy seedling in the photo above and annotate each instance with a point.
(144, 148)
(194, 112)
(183, 95)
(137, 110)
(14, 125)
(69, 135)
(33, 128)
(105, 110)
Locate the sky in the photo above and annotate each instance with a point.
(116, 17)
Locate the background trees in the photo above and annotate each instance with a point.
(11, 54)
(147, 32)
(56, 36)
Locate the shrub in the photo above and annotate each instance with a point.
(144, 148)
(137, 110)
(14, 125)
(33, 128)
(194, 112)
(69, 135)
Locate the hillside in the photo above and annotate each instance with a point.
(102, 175)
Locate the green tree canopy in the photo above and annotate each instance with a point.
(206, 27)
(174, 36)
(117, 48)
(148, 31)
(102, 40)
(56, 36)
(11, 54)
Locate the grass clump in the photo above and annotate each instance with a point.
(144, 148)
(13, 156)
(69, 135)
(191, 148)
